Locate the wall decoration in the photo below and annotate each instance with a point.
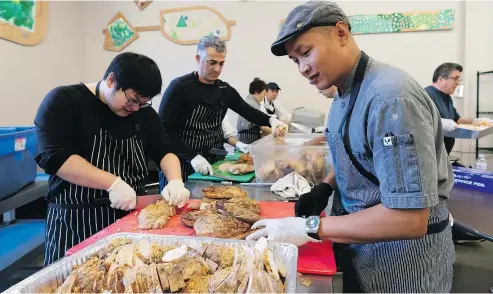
(187, 25)
(182, 26)
(119, 33)
(443, 19)
(142, 4)
(24, 22)
(403, 22)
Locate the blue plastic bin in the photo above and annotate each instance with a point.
(18, 147)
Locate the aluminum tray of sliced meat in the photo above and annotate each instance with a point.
(145, 263)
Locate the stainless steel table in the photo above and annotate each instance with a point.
(473, 210)
(319, 283)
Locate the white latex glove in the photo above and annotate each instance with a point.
(245, 148)
(288, 230)
(122, 196)
(278, 127)
(176, 193)
(201, 165)
(448, 125)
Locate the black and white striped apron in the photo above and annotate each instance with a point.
(249, 136)
(419, 265)
(72, 216)
(202, 131)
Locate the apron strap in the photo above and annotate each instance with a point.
(358, 79)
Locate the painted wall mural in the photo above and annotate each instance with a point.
(142, 4)
(23, 22)
(399, 22)
(403, 22)
(182, 26)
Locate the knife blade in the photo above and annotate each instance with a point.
(142, 201)
(303, 128)
(217, 151)
(224, 177)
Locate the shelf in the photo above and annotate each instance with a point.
(485, 112)
(30, 193)
(486, 149)
(485, 73)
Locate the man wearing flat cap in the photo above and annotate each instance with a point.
(391, 175)
(271, 105)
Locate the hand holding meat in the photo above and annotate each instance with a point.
(122, 196)
(279, 128)
(176, 193)
(288, 230)
(201, 165)
(245, 148)
(313, 202)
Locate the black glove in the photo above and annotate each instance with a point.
(314, 202)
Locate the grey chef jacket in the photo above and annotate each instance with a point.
(413, 173)
(243, 124)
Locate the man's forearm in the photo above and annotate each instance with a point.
(170, 165)
(464, 120)
(266, 130)
(331, 179)
(79, 171)
(375, 224)
(232, 141)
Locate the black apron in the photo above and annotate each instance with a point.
(202, 132)
(346, 256)
(249, 136)
(72, 217)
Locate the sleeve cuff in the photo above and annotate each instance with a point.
(52, 162)
(410, 200)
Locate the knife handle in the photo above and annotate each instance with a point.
(102, 201)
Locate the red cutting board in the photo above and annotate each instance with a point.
(313, 258)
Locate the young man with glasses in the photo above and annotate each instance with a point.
(94, 141)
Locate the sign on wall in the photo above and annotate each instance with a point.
(23, 22)
(399, 22)
(182, 26)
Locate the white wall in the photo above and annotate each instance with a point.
(72, 51)
(256, 28)
(29, 72)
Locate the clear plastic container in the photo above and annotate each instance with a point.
(306, 154)
(481, 163)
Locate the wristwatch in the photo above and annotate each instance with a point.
(312, 224)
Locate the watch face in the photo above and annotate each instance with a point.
(312, 223)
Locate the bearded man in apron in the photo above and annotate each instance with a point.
(94, 141)
(391, 172)
(194, 105)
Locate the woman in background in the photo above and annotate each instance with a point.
(249, 132)
(271, 105)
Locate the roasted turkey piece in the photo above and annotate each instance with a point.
(238, 211)
(155, 216)
(224, 192)
(219, 226)
(188, 218)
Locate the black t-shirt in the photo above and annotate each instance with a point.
(185, 93)
(70, 116)
(446, 108)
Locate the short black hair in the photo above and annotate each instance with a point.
(257, 86)
(445, 69)
(137, 72)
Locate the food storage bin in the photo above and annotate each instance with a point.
(18, 147)
(306, 154)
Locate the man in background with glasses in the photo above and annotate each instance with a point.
(94, 140)
(446, 78)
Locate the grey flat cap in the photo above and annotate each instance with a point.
(306, 16)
